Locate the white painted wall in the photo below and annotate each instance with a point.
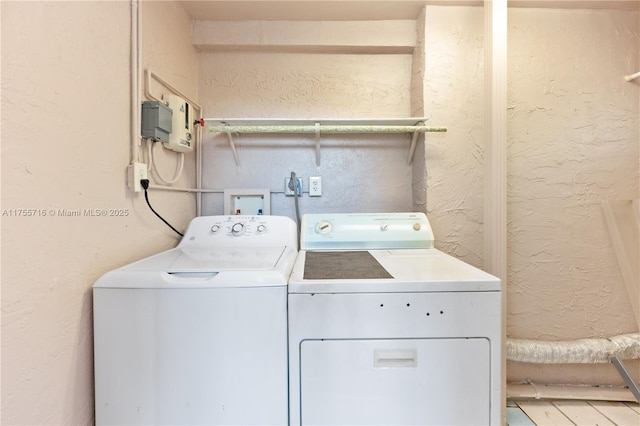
(360, 173)
(65, 145)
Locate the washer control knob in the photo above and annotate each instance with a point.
(323, 227)
(384, 227)
(417, 226)
(215, 228)
(261, 228)
(237, 228)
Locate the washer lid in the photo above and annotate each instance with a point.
(205, 267)
(210, 259)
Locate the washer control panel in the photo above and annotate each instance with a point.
(353, 231)
(230, 230)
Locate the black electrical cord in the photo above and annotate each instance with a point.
(145, 186)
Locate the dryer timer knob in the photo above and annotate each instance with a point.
(323, 227)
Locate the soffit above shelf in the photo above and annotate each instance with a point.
(355, 37)
(353, 10)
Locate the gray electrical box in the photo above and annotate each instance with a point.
(156, 121)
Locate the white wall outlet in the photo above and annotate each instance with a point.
(288, 186)
(315, 186)
(135, 173)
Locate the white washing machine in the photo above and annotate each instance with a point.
(198, 334)
(384, 329)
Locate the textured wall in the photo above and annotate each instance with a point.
(65, 129)
(573, 142)
(170, 55)
(360, 173)
(419, 164)
(454, 97)
(65, 146)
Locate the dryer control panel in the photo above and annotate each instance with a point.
(365, 231)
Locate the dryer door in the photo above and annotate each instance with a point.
(395, 382)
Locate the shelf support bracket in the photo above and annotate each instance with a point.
(317, 128)
(233, 147)
(414, 141)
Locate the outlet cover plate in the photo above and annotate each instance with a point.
(315, 186)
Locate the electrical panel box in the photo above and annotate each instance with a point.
(181, 133)
(247, 201)
(157, 121)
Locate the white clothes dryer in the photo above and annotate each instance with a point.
(198, 334)
(384, 329)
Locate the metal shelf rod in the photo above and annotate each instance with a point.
(323, 129)
(316, 128)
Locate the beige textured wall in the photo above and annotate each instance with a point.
(65, 114)
(573, 129)
(360, 173)
(573, 142)
(419, 164)
(454, 97)
(65, 146)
